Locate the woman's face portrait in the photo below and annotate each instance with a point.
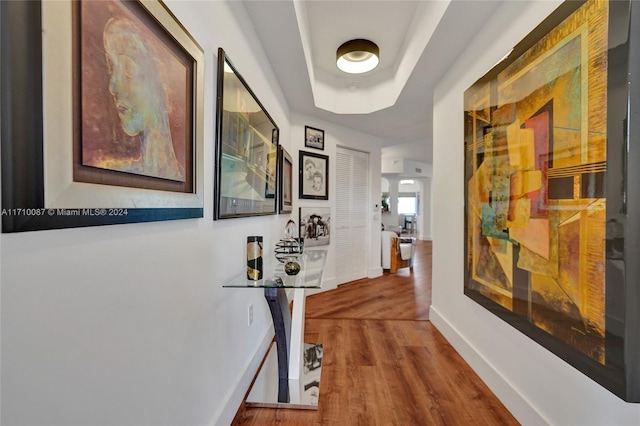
(131, 77)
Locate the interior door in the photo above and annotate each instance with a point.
(351, 216)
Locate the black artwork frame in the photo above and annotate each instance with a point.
(23, 133)
(313, 176)
(314, 225)
(608, 353)
(313, 138)
(285, 181)
(246, 148)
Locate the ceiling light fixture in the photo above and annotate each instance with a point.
(357, 56)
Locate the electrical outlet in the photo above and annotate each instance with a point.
(250, 315)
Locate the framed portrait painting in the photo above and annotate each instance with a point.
(118, 137)
(313, 138)
(549, 168)
(246, 148)
(313, 176)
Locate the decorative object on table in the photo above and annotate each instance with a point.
(315, 223)
(285, 178)
(551, 147)
(254, 258)
(291, 266)
(246, 149)
(313, 176)
(290, 229)
(274, 282)
(288, 247)
(313, 138)
(76, 156)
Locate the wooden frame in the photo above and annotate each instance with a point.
(246, 148)
(313, 176)
(313, 138)
(285, 180)
(40, 186)
(551, 184)
(133, 102)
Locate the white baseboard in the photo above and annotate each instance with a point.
(375, 272)
(225, 416)
(516, 403)
(329, 284)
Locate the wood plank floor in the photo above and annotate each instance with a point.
(384, 363)
(403, 295)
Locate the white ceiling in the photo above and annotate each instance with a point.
(418, 42)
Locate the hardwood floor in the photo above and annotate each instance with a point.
(384, 363)
(405, 295)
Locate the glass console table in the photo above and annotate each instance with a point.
(290, 374)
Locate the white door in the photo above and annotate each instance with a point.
(351, 217)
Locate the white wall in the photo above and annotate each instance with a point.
(426, 213)
(129, 324)
(534, 384)
(334, 136)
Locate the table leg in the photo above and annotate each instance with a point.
(279, 307)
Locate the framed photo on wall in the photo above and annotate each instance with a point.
(285, 179)
(551, 155)
(313, 138)
(315, 225)
(313, 176)
(246, 148)
(115, 140)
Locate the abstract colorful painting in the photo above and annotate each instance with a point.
(536, 199)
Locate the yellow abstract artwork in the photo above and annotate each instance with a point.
(534, 148)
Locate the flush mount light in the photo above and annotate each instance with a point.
(357, 56)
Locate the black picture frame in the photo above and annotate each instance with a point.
(285, 181)
(315, 225)
(313, 138)
(594, 324)
(246, 148)
(313, 176)
(26, 184)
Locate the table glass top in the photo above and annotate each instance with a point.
(311, 262)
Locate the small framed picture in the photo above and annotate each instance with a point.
(285, 173)
(313, 138)
(315, 225)
(313, 176)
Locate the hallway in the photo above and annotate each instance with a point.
(384, 363)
